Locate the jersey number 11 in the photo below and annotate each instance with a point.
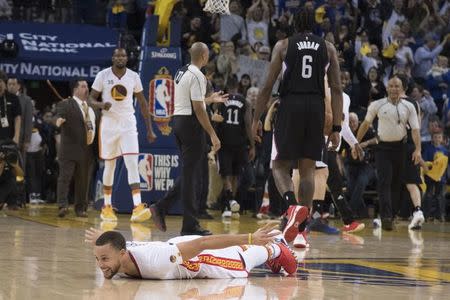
(232, 112)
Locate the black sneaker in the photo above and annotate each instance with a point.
(158, 217)
(196, 231)
(387, 224)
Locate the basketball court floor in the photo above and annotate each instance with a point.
(43, 257)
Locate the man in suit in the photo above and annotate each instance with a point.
(77, 122)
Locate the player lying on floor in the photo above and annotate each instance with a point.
(216, 256)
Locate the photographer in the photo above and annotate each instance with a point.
(9, 169)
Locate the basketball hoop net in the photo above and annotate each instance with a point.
(217, 7)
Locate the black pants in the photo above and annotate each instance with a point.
(191, 141)
(335, 183)
(79, 171)
(8, 188)
(201, 189)
(389, 162)
(34, 171)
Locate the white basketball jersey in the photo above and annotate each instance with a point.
(163, 260)
(158, 260)
(118, 91)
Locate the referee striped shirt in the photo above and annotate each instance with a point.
(392, 119)
(190, 85)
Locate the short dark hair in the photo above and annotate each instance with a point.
(114, 238)
(120, 48)
(232, 83)
(74, 84)
(437, 132)
(304, 20)
(418, 86)
(404, 79)
(15, 78)
(3, 77)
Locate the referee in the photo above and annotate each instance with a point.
(394, 114)
(190, 121)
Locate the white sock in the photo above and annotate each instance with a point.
(107, 198)
(276, 251)
(254, 256)
(136, 197)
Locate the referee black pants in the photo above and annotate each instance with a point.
(389, 162)
(191, 141)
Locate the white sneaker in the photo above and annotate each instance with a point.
(226, 214)
(417, 220)
(300, 241)
(234, 206)
(376, 223)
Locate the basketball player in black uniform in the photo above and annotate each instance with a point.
(305, 59)
(234, 132)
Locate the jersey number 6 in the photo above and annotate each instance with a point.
(306, 66)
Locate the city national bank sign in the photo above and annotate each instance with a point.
(57, 51)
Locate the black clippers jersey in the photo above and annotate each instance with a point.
(304, 67)
(232, 130)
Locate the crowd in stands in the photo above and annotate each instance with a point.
(375, 39)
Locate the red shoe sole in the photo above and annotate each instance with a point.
(295, 218)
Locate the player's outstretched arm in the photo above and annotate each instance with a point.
(146, 115)
(261, 236)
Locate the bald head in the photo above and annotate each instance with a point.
(199, 53)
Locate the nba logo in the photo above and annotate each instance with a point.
(161, 98)
(145, 167)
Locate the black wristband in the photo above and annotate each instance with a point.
(336, 128)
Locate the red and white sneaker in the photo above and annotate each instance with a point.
(301, 240)
(285, 260)
(263, 212)
(296, 215)
(353, 227)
